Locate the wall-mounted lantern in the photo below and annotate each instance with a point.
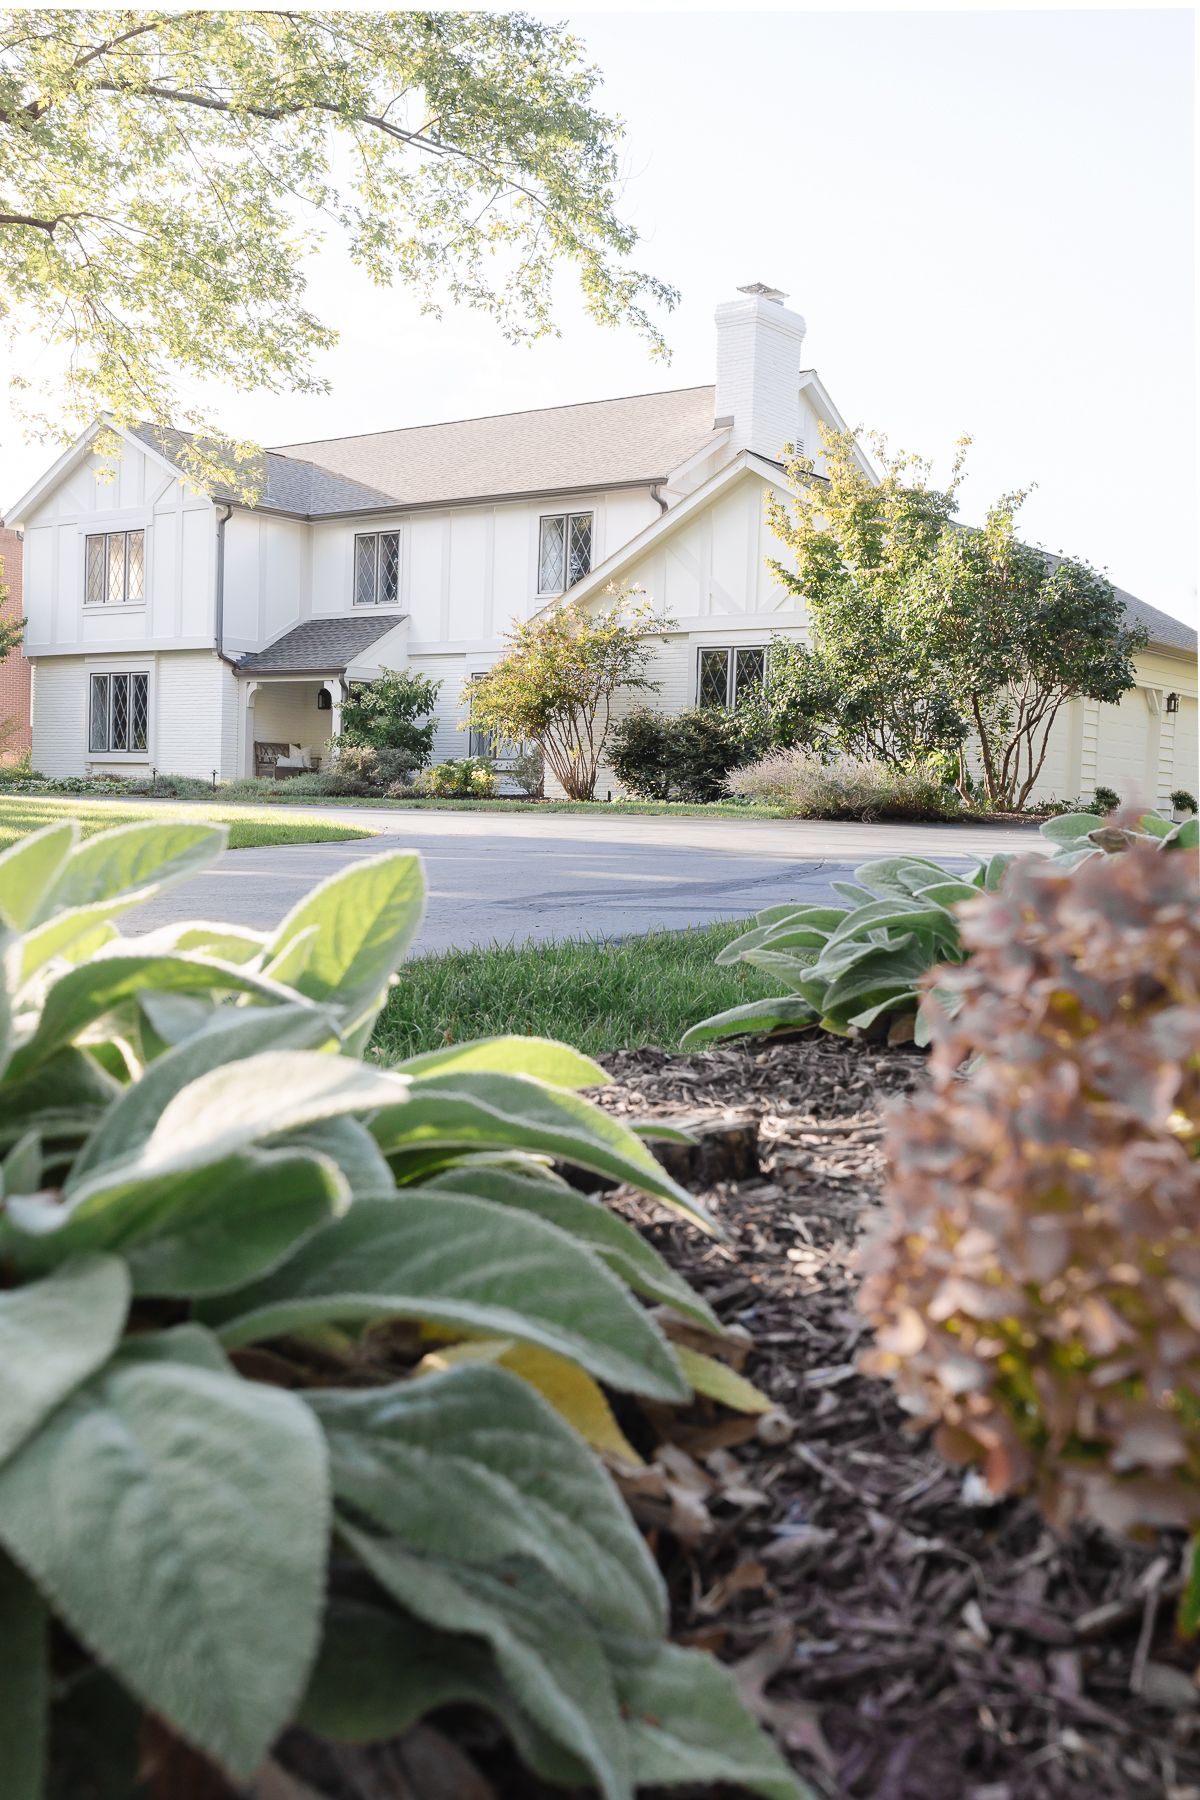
(1172, 703)
(324, 700)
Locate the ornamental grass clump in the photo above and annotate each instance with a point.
(1035, 1290)
(244, 1471)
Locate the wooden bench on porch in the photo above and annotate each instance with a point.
(274, 762)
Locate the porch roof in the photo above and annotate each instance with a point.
(319, 646)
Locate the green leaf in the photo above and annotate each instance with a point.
(886, 875)
(71, 935)
(906, 1000)
(541, 1058)
(232, 1035)
(22, 1168)
(467, 1265)
(548, 1654)
(196, 1229)
(1189, 1605)
(896, 915)
(1068, 828)
(183, 1542)
(380, 1672)
(133, 861)
(66, 1097)
(791, 967)
(477, 1110)
(86, 994)
(24, 1685)
(995, 869)
(949, 893)
(53, 1335)
(719, 1382)
(29, 868)
(626, 1251)
(686, 1723)
(787, 1012)
(367, 915)
(1187, 836)
(352, 1148)
(800, 925)
(474, 1463)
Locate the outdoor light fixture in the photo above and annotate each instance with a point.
(1172, 702)
(324, 700)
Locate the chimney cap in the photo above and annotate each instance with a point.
(764, 292)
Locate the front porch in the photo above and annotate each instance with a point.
(290, 694)
(282, 717)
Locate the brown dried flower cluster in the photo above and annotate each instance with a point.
(1035, 1287)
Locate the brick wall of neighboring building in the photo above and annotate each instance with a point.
(15, 736)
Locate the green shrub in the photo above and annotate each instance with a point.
(459, 778)
(227, 1246)
(1105, 800)
(807, 787)
(858, 969)
(369, 769)
(854, 969)
(678, 756)
(528, 772)
(1035, 1287)
(384, 714)
(1182, 801)
(174, 787)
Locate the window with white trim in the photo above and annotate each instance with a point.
(564, 551)
(728, 675)
(377, 568)
(114, 568)
(119, 713)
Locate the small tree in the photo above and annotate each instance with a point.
(556, 684)
(11, 630)
(927, 633)
(383, 715)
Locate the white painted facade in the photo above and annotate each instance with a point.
(696, 542)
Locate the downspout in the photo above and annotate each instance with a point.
(656, 495)
(223, 517)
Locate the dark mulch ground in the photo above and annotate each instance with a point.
(912, 1646)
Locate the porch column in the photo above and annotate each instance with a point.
(249, 690)
(333, 687)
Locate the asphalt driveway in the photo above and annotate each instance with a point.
(510, 878)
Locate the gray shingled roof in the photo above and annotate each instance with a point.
(289, 484)
(599, 443)
(1166, 632)
(319, 646)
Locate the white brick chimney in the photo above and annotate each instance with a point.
(758, 365)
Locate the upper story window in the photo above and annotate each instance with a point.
(564, 551)
(377, 568)
(727, 676)
(119, 714)
(115, 568)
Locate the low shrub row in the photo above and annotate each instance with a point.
(854, 787)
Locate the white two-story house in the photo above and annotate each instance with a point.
(195, 634)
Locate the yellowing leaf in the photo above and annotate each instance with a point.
(719, 1382)
(569, 1389)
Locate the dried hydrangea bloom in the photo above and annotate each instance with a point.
(1035, 1284)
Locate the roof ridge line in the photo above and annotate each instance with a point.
(520, 412)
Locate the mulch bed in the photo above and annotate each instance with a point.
(904, 1643)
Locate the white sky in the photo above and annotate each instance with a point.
(987, 219)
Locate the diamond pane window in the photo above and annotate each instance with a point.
(364, 570)
(749, 673)
(119, 713)
(139, 711)
(579, 547)
(135, 563)
(712, 687)
(116, 568)
(550, 556)
(389, 567)
(95, 581)
(98, 713)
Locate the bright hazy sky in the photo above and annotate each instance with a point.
(985, 218)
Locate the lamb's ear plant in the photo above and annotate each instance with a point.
(227, 1248)
(854, 969)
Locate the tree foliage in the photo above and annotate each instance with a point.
(680, 756)
(384, 714)
(165, 176)
(930, 639)
(556, 684)
(11, 630)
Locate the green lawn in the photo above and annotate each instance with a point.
(20, 815)
(715, 809)
(596, 995)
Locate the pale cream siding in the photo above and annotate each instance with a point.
(59, 708)
(286, 712)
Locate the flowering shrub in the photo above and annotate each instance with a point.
(854, 787)
(1036, 1288)
(461, 778)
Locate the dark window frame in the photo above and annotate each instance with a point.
(376, 539)
(568, 522)
(733, 680)
(119, 713)
(98, 569)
